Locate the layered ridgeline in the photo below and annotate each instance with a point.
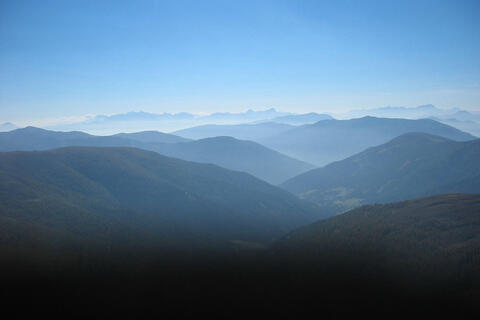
(246, 156)
(252, 131)
(299, 119)
(434, 238)
(229, 153)
(72, 198)
(327, 140)
(152, 137)
(31, 138)
(409, 166)
(332, 140)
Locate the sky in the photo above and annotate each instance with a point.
(66, 59)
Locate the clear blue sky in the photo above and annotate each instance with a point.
(69, 58)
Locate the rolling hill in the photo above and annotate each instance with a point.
(411, 165)
(74, 198)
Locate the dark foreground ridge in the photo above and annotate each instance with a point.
(124, 196)
(418, 257)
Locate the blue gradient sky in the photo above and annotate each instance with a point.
(70, 58)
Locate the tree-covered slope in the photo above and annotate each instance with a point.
(409, 166)
(434, 236)
(97, 195)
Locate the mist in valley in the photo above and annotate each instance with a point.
(262, 158)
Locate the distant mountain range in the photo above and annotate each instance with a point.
(229, 153)
(254, 132)
(423, 111)
(332, 140)
(467, 124)
(464, 120)
(409, 166)
(7, 126)
(456, 117)
(141, 116)
(248, 116)
(72, 198)
(299, 119)
(131, 121)
(327, 140)
(152, 137)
